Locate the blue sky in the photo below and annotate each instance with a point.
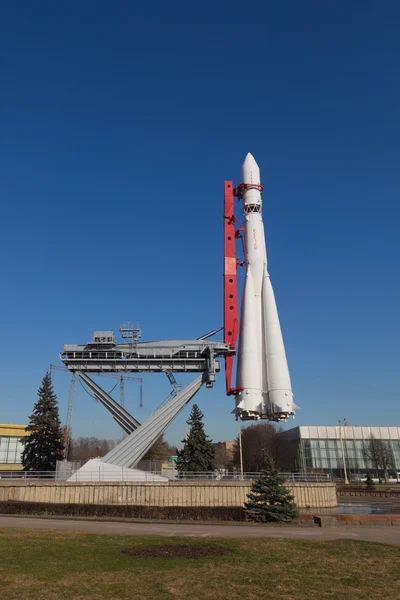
(119, 124)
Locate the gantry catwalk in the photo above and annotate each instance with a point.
(105, 355)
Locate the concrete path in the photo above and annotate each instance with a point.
(386, 535)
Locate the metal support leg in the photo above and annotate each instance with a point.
(119, 414)
(68, 430)
(129, 452)
(122, 391)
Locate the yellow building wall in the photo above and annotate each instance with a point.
(18, 431)
(13, 430)
(10, 467)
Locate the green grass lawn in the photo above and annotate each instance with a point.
(53, 565)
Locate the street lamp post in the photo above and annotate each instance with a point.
(346, 481)
(240, 451)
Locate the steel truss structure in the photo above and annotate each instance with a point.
(104, 355)
(179, 356)
(231, 304)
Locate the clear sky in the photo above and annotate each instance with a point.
(120, 122)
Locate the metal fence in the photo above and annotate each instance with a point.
(125, 475)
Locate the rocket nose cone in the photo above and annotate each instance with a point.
(250, 170)
(249, 157)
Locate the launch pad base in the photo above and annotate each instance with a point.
(98, 470)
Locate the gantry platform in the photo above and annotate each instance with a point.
(190, 356)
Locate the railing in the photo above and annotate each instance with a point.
(250, 476)
(125, 475)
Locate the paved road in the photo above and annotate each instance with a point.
(387, 535)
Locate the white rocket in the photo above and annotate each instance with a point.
(263, 381)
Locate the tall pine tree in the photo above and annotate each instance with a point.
(197, 454)
(44, 445)
(269, 499)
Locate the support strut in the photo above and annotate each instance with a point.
(129, 452)
(68, 430)
(118, 412)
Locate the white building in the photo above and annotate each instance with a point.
(321, 449)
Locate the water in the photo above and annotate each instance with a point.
(368, 508)
(360, 506)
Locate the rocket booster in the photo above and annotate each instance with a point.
(263, 382)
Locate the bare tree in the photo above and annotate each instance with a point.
(84, 448)
(286, 453)
(379, 454)
(160, 450)
(258, 442)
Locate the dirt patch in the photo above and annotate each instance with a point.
(177, 551)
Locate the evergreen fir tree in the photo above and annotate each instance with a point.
(197, 454)
(45, 444)
(269, 499)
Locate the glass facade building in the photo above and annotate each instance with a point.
(325, 449)
(11, 447)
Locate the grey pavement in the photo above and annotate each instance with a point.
(385, 534)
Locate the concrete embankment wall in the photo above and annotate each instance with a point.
(186, 493)
(370, 493)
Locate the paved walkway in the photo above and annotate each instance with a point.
(386, 535)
